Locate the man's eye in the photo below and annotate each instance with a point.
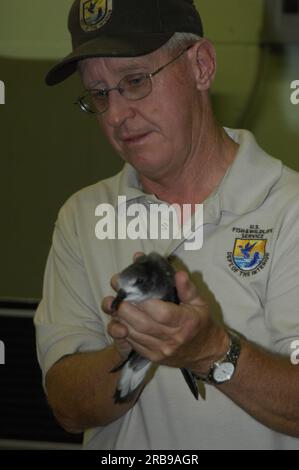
(136, 80)
(99, 93)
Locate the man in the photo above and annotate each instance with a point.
(149, 89)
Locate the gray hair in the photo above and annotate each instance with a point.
(176, 42)
(179, 41)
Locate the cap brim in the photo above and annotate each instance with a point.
(132, 45)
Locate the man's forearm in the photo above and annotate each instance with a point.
(267, 387)
(81, 387)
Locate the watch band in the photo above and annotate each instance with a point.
(231, 357)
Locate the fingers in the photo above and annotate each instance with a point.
(147, 318)
(126, 336)
(117, 330)
(106, 305)
(139, 340)
(144, 350)
(151, 321)
(114, 282)
(119, 334)
(163, 314)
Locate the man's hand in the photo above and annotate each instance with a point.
(116, 328)
(182, 335)
(186, 335)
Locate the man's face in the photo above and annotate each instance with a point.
(154, 134)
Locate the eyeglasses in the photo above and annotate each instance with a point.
(134, 87)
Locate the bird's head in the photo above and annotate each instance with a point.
(149, 277)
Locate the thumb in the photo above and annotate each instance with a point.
(187, 291)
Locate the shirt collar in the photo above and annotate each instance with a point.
(250, 178)
(244, 187)
(129, 184)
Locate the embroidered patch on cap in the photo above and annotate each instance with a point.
(94, 14)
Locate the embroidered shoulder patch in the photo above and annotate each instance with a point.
(249, 255)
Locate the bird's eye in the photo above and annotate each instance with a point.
(139, 281)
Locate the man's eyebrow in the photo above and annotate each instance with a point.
(122, 70)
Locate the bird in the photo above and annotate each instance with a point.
(254, 261)
(247, 249)
(149, 277)
(91, 9)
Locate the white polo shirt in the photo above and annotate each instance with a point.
(248, 269)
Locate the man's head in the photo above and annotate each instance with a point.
(155, 128)
(123, 28)
(158, 133)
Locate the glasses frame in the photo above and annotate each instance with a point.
(105, 91)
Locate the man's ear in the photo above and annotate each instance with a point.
(203, 60)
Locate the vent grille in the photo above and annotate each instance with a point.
(24, 412)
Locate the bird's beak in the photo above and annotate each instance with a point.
(121, 295)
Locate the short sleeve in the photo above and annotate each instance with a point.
(67, 319)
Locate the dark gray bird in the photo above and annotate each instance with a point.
(149, 277)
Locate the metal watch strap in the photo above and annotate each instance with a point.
(231, 356)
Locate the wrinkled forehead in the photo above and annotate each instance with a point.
(98, 68)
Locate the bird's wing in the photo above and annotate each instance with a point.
(252, 246)
(172, 297)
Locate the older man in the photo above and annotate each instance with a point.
(147, 71)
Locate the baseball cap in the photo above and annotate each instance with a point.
(123, 28)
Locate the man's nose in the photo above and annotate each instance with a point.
(119, 109)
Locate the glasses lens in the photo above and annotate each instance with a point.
(95, 101)
(135, 86)
(98, 100)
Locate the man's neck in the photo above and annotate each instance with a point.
(201, 175)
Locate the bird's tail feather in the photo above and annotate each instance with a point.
(132, 376)
(130, 380)
(191, 381)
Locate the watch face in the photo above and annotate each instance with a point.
(223, 372)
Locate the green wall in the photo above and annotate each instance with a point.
(49, 150)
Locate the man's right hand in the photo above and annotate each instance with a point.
(115, 328)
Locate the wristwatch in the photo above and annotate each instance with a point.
(223, 370)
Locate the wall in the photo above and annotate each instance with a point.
(48, 150)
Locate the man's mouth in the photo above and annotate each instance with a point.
(135, 138)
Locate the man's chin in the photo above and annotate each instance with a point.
(146, 166)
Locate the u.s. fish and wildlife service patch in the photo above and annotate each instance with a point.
(94, 14)
(249, 255)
